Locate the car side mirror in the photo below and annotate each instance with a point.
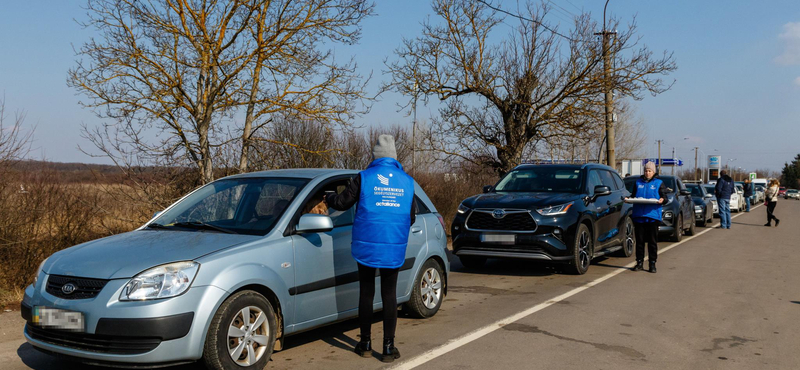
(708, 196)
(314, 223)
(487, 188)
(685, 192)
(601, 190)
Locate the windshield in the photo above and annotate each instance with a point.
(710, 189)
(696, 191)
(542, 179)
(243, 206)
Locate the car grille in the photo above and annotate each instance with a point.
(93, 342)
(513, 221)
(86, 288)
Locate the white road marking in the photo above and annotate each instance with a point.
(481, 332)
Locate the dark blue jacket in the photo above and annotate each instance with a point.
(748, 189)
(724, 188)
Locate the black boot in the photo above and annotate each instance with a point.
(777, 221)
(390, 352)
(364, 347)
(653, 267)
(768, 224)
(639, 266)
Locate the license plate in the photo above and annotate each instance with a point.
(499, 238)
(58, 318)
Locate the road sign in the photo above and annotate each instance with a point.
(752, 176)
(714, 161)
(665, 161)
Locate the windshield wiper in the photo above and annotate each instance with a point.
(203, 225)
(157, 226)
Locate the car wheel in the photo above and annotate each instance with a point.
(581, 250)
(628, 239)
(428, 291)
(241, 334)
(703, 222)
(677, 233)
(690, 231)
(472, 262)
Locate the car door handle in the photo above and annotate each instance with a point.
(416, 230)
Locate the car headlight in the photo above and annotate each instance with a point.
(668, 214)
(555, 210)
(698, 209)
(163, 281)
(38, 272)
(462, 209)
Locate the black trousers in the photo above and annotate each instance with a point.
(770, 212)
(646, 232)
(366, 279)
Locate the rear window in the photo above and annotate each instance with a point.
(695, 189)
(541, 179)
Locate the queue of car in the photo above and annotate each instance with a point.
(231, 269)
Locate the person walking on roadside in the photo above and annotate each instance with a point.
(723, 191)
(647, 217)
(771, 196)
(383, 219)
(748, 194)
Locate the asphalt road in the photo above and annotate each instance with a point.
(725, 299)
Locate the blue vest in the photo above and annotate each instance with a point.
(649, 190)
(383, 215)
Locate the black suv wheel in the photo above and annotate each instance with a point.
(581, 250)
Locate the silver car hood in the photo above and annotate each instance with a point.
(125, 255)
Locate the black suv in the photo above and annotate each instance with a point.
(677, 210)
(567, 213)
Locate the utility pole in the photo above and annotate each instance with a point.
(695, 163)
(658, 169)
(611, 157)
(673, 160)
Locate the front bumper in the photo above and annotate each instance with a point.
(164, 331)
(547, 242)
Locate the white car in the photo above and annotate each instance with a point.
(737, 199)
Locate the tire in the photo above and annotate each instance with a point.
(427, 293)
(581, 250)
(628, 239)
(472, 262)
(677, 233)
(259, 341)
(690, 231)
(704, 222)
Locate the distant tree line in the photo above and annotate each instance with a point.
(790, 174)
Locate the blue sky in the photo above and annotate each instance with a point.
(737, 89)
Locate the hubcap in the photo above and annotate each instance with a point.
(248, 336)
(583, 250)
(431, 288)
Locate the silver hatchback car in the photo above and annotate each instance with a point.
(222, 275)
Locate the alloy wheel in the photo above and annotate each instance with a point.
(629, 238)
(248, 336)
(583, 250)
(431, 288)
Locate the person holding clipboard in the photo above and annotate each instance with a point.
(647, 197)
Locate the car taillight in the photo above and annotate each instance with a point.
(441, 221)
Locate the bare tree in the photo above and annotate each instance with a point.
(532, 85)
(183, 69)
(14, 140)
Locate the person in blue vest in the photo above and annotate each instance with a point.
(647, 217)
(383, 219)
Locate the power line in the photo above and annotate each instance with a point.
(525, 19)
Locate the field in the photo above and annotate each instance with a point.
(44, 209)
